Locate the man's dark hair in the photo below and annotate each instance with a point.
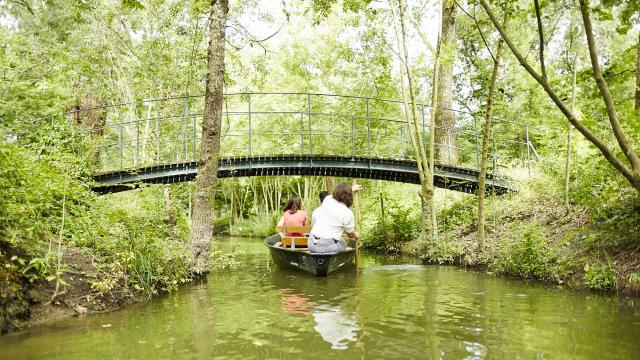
(342, 193)
(323, 194)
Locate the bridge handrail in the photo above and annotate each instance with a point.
(400, 102)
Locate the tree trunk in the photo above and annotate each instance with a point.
(415, 130)
(168, 204)
(90, 115)
(382, 215)
(567, 165)
(486, 134)
(145, 133)
(329, 183)
(637, 107)
(445, 136)
(203, 213)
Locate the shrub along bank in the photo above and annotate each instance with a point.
(65, 250)
(593, 243)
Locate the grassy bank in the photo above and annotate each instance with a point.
(593, 243)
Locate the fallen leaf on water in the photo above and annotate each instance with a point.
(106, 325)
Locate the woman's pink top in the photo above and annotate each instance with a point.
(297, 219)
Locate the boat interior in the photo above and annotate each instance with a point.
(294, 238)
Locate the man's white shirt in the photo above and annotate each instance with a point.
(331, 219)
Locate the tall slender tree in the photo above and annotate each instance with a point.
(486, 134)
(425, 167)
(203, 214)
(637, 104)
(574, 72)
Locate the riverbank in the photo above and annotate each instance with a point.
(89, 285)
(99, 252)
(532, 234)
(27, 303)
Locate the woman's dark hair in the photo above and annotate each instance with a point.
(323, 194)
(342, 193)
(293, 205)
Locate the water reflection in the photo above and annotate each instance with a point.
(332, 323)
(295, 304)
(335, 327)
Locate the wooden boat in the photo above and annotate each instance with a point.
(293, 252)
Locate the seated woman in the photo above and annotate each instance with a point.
(333, 218)
(293, 215)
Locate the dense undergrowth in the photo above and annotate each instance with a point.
(593, 243)
(135, 240)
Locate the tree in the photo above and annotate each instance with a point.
(445, 136)
(203, 214)
(637, 104)
(425, 165)
(573, 62)
(486, 130)
(629, 168)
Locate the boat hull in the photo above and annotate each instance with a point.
(319, 265)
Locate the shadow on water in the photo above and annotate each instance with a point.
(392, 307)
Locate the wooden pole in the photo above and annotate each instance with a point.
(356, 207)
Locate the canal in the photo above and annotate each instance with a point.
(392, 308)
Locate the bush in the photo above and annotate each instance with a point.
(461, 214)
(259, 225)
(442, 251)
(138, 245)
(526, 253)
(400, 226)
(33, 190)
(599, 276)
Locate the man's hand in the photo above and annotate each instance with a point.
(356, 187)
(354, 234)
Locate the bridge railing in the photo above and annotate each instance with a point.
(169, 130)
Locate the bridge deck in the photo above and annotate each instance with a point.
(446, 176)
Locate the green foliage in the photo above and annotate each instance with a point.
(139, 246)
(442, 251)
(525, 252)
(400, 225)
(45, 268)
(13, 303)
(460, 215)
(223, 261)
(599, 276)
(613, 206)
(132, 4)
(258, 225)
(36, 178)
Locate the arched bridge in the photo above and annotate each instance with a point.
(264, 134)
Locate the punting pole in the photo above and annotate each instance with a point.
(356, 207)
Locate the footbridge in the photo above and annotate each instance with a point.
(271, 134)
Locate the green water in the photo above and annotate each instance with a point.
(393, 308)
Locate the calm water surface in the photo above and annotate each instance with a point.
(393, 308)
